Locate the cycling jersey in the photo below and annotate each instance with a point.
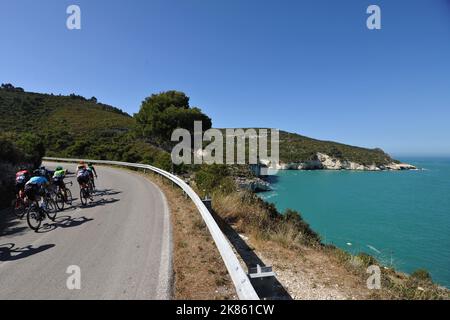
(58, 178)
(43, 173)
(83, 173)
(92, 170)
(22, 173)
(22, 176)
(59, 174)
(83, 176)
(39, 181)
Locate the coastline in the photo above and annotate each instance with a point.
(322, 161)
(390, 188)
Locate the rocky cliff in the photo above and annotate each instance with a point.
(252, 184)
(323, 161)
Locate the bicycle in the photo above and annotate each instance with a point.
(36, 214)
(20, 205)
(85, 194)
(91, 184)
(61, 197)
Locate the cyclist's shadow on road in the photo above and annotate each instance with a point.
(10, 225)
(8, 251)
(64, 222)
(99, 202)
(106, 192)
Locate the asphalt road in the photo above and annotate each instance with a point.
(120, 244)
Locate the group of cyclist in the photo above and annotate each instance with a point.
(36, 184)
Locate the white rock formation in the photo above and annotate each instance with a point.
(324, 161)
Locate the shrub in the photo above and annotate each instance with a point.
(15, 152)
(251, 214)
(367, 259)
(305, 232)
(421, 274)
(214, 178)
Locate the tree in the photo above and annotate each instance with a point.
(7, 86)
(214, 178)
(160, 114)
(10, 87)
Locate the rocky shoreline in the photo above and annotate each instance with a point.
(325, 162)
(320, 162)
(253, 184)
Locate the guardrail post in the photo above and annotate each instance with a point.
(208, 203)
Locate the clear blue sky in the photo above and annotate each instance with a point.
(310, 67)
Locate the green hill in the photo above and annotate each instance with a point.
(297, 148)
(73, 126)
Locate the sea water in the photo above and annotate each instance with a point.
(400, 217)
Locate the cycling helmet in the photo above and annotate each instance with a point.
(42, 168)
(59, 168)
(37, 172)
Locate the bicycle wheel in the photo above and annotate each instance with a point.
(51, 209)
(59, 200)
(69, 198)
(19, 208)
(34, 217)
(91, 187)
(83, 196)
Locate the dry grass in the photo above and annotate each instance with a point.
(251, 215)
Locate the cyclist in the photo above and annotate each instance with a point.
(58, 179)
(36, 187)
(22, 177)
(83, 176)
(43, 172)
(80, 164)
(92, 172)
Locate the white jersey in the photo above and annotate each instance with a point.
(82, 172)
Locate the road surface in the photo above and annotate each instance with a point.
(120, 244)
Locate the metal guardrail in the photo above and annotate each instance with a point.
(241, 281)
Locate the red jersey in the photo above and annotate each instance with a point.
(22, 176)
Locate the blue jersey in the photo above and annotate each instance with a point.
(38, 181)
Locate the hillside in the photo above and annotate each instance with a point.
(72, 126)
(297, 148)
(297, 151)
(79, 127)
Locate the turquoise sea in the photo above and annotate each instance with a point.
(400, 217)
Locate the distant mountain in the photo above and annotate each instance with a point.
(295, 148)
(304, 153)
